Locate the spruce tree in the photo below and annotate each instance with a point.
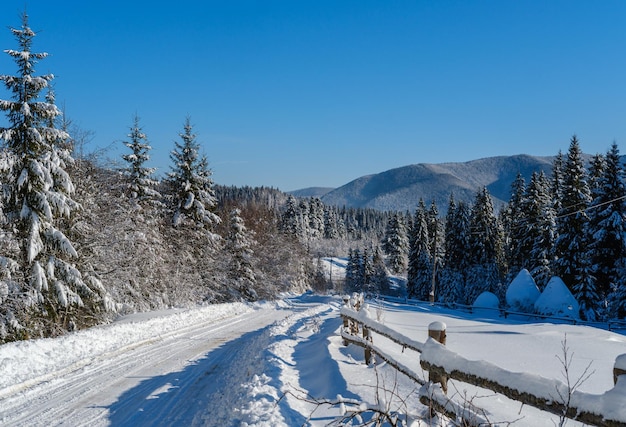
(141, 186)
(239, 243)
(194, 198)
(419, 270)
(573, 241)
(457, 247)
(39, 190)
(349, 279)
(316, 218)
(354, 272)
(557, 181)
(572, 220)
(539, 228)
(396, 243)
(447, 281)
(380, 277)
(331, 226)
(597, 168)
(556, 195)
(515, 221)
(608, 225)
(436, 237)
(486, 249)
(367, 271)
(290, 224)
(617, 297)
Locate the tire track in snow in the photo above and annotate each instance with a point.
(73, 396)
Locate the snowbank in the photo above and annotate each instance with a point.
(522, 293)
(557, 300)
(487, 304)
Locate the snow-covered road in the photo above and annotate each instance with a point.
(162, 370)
(275, 364)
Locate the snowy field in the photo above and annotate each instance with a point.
(271, 364)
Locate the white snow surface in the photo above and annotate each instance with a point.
(557, 300)
(487, 302)
(264, 364)
(522, 292)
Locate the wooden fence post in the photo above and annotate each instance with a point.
(367, 336)
(355, 302)
(346, 321)
(437, 331)
(619, 368)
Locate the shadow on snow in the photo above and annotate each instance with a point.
(207, 392)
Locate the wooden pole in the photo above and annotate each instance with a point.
(437, 331)
(619, 368)
(346, 321)
(367, 336)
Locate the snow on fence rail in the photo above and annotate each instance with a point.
(606, 409)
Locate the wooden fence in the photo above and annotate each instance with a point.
(441, 364)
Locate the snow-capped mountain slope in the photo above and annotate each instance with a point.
(401, 188)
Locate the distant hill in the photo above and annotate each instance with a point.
(311, 192)
(401, 188)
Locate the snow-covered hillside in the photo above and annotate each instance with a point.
(266, 364)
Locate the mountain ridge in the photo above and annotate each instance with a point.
(401, 188)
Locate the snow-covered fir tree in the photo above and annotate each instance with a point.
(367, 271)
(39, 191)
(239, 243)
(290, 220)
(332, 227)
(190, 179)
(396, 243)
(141, 185)
(436, 236)
(539, 228)
(316, 218)
(617, 296)
(573, 241)
(486, 249)
(456, 246)
(608, 225)
(514, 222)
(597, 168)
(380, 277)
(303, 220)
(556, 195)
(585, 290)
(557, 181)
(354, 278)
(419, 269)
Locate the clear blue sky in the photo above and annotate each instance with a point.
(300, 93)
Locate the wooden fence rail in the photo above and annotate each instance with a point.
(608, 409)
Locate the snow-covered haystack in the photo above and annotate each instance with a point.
(557, 300)
(487, 304)
(522, 293)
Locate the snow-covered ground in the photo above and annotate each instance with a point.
(270, 364)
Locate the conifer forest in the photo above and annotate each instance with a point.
(82, 241)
